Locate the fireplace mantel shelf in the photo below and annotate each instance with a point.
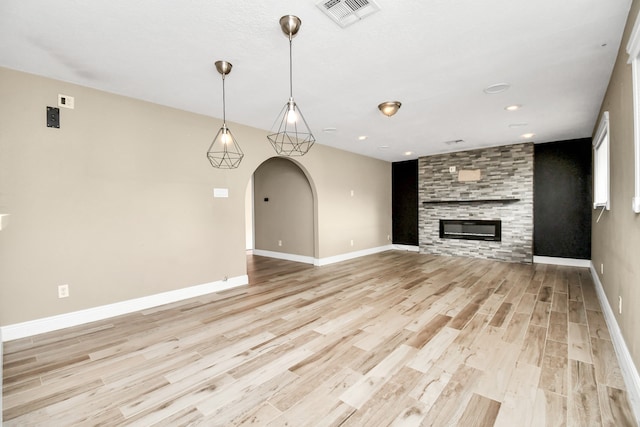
(488, 200)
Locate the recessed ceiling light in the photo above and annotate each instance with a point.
(362, 137)
(528, 135)
(408, 153)
(514, 107)
(329, 130)
(496, 88)
(518, 125)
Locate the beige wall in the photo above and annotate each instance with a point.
(118, 202)
(364, 217)
(616, 238)
(287, 217)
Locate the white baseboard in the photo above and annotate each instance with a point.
(282, 255)
(75, 318)
(570, 262)
(409, 248)
(318, 262)
(351, 255)
(628, 368)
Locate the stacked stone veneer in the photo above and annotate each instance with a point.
(506, 173)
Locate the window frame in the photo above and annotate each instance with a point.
(633, 49)
(601, 144)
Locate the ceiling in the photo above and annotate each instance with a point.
(436, 57)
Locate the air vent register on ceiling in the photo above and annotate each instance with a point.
(347, 12)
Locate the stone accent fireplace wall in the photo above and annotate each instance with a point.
(503, 192)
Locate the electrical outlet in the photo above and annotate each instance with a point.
(352, 193)
(63, 291)
(279, 242)
(352, 243)
(452, 169)
(53, 117)
(619, 304)
(389, 237)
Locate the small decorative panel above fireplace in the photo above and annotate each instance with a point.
(471, 229)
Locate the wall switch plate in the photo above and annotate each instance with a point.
(66, 101)
(452, 169)
(221, 192)
(619, 304)
(63, 291)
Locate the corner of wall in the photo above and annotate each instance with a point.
(350, 255)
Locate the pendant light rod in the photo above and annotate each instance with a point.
(224, 108)
(223, 68)
(290, 68)
(290, 25)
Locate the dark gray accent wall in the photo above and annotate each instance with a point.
(504, 192)
(404, 202)
(562, 199)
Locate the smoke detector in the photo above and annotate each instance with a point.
(347, 12)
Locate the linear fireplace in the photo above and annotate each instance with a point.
(471, 229)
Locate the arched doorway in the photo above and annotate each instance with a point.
(283, 207)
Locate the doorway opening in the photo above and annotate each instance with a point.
(281, 212)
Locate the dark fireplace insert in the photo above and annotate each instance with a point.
(471, 229)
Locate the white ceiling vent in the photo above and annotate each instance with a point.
(347, 12)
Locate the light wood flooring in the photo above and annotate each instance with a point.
(395, 338)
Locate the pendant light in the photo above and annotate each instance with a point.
(224, 152)
(290, 132)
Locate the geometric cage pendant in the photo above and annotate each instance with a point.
(224, 151)
(290, 134)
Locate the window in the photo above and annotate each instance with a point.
(633, 49)
(601, 164)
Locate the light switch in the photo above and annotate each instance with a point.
(220, 192)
